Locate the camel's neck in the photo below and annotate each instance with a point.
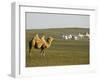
(49, 44)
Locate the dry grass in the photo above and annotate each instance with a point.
(61, 52)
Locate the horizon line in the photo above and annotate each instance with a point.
(58, 28)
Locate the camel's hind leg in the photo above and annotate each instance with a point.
(30, 48)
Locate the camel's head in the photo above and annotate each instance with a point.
(50, 39)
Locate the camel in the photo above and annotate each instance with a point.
(40, 43)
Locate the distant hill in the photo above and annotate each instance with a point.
(55, 32)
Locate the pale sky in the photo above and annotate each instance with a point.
(44, 20)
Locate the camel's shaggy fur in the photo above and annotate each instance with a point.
(40, 43)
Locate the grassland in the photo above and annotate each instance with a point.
(61, 52)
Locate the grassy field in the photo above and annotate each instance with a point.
(61, 52)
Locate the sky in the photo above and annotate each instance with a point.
(47, 20)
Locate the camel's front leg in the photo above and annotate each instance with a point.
(42, 52)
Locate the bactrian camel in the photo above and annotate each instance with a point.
(40, 43)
